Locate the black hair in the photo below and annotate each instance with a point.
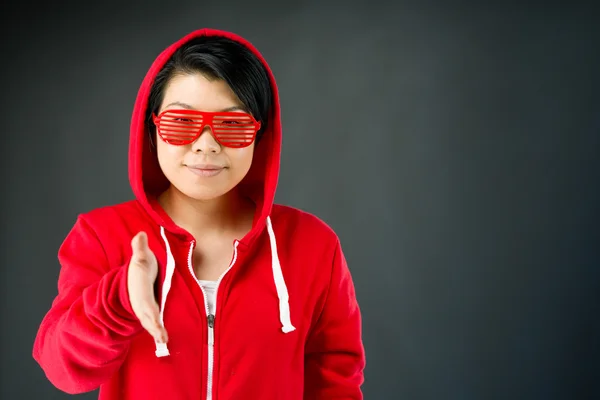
(217, 57)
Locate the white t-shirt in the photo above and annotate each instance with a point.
(210, 288)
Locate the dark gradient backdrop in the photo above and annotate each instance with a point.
(453, 149)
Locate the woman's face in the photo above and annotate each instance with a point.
(203, 169)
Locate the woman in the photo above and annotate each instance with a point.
(201, 287)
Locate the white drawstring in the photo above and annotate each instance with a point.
(161, 348)
(282, 292)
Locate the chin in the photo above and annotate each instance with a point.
(204, 193)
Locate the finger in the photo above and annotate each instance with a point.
(155, 329)
(151, 322)
(157, 332)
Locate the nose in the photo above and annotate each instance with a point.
(206, 142)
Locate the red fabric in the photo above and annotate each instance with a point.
(90, 337)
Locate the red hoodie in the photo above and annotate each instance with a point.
(286, 326)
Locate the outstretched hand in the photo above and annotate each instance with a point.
(143, 270)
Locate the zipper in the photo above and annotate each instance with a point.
(210, 318)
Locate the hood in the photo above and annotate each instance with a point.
(148, 181)
(146, 178)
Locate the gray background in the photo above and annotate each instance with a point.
(453, 149)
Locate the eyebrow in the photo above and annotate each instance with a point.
(189, 107)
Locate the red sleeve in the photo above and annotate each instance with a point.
(84, 337)
(335, 357)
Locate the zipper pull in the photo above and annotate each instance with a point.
(211, 330)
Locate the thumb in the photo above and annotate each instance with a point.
(139, 244)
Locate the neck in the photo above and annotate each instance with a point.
(228, 213)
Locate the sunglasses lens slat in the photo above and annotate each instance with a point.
(230, 129)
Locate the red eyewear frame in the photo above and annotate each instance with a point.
(230, 129)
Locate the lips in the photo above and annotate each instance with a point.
(205, 170)
(205, 166)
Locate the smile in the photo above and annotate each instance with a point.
(206, 171)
